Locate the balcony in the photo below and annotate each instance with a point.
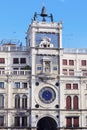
(75, 73)
(75, 50)
(21, 72)
(13, 48)
(15, 72)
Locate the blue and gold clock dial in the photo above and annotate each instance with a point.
(47, 95)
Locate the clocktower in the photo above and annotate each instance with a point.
(44, 40)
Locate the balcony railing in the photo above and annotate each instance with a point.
(75, 50)
(13, 48)
(76, 73)
(21, 72)
(15, 72)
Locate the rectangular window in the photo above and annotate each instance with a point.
(55, 68)
(71, 72)
(23, 60)
(17, 84)
(17, 101)
(38, 68)
(71, 62)
(2, 71)
(17, 121)
(75, 86)
(68, 86)
(2, 60)
(15, 60)
(15, 68)
(24, 85)
(1, 120)
(1, 101)
(64, 62)
(65, 72)
(69, 122)
(84, 72)
(76, 121)
(86, 101)
(1, 84)
(86, 120)
(23, 68)
(83, 62)
(24, 121)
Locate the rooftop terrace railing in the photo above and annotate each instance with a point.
(13, 48)
(75, 50)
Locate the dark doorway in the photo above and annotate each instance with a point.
(47, 123)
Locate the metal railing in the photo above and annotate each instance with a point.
(75, 50)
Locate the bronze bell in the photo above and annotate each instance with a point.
(43, 12)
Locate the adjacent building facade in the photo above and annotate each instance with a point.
(43, 86)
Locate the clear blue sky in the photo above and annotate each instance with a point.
(16, 15)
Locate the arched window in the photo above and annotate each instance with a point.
(1, 101)
(75, 102)
(68, 102)
(17, 101)
(24, 101)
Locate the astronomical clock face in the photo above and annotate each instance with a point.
(47, 95)
(52, 36)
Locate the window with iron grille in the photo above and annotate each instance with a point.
(1, 84)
